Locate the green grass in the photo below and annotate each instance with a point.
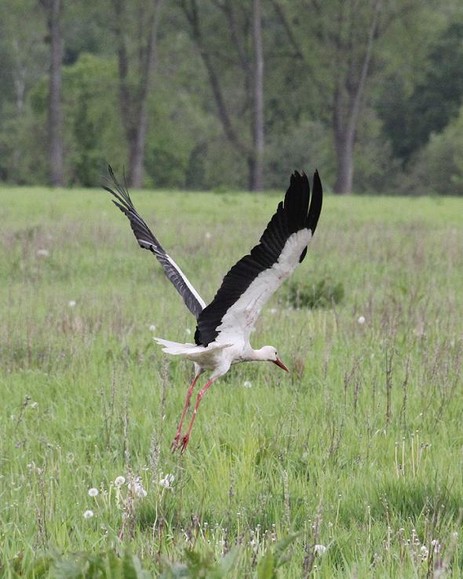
(358, 449)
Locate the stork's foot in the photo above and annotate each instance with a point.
(176, 442)
(180, 442)
(184, 443)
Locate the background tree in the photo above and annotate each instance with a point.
(343, 59)
(53, 12)
(434, 101)
(23, 62)
(136, 59)
(245, 92)
(238, 63)
(257, 166)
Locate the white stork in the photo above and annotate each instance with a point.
(224, 326)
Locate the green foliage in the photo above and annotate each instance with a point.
(410, 120)
(102, 565)
(274, 558)
(438, 167)
(197, 566)
(412, 95)
(306, 146)
(92, 128)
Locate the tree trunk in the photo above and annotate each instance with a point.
(53, 10)
(137, 148)
(252, 69)
(257, 175)
(134, 100)
(346, 111)
(344, 144)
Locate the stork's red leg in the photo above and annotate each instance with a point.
(201, 393)
(175, 442)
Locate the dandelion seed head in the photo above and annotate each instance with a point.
(319, 549)
(167, 481)
(247, 384)
(136, 487)
(152, 328)
(93, 492)
(361, 320)
(72, 303)
(88, 514)
(120, 480)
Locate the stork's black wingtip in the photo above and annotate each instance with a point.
(317, 182)
(110, 178)
(298, 176)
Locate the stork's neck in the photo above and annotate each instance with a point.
(259, 355)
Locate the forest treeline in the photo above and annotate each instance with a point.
(211, 94)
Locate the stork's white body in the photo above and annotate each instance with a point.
(224, 326)
(232, 344)
(215, 356)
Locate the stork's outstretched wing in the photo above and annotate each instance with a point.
(147, 240)
(254, 278)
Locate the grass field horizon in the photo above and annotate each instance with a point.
(351, 465)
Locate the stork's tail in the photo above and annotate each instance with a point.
(188, 350)
(175, 348)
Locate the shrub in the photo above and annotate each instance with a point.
(321, 294)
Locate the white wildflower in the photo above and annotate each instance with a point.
(361, 320)
(319, 549)
(120, 480)
(93, 492)
(136, 487)
(167, 481)
(88, 514)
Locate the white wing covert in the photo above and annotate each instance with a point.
(255, 277)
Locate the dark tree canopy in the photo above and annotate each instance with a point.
(435, 100)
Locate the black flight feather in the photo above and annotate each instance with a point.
(147, 240)
(291, 216)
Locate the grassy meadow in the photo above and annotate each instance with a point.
(349, 466)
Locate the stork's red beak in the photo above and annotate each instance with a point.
(279, 363)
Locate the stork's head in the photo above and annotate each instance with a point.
(270, 354)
